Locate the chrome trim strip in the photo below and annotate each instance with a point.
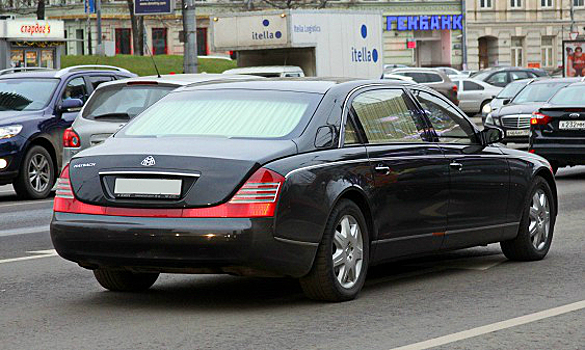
(387, 240)
(139, 172)
(284, 240)
(450, 232)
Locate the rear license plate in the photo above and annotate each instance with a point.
(572, 124)
(147, 188)
(517, 132)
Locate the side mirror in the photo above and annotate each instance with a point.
(70, 105)
(506, 101)
(325, 136)
(492, 135)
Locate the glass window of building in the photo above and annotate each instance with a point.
(484, 4)
(546, 47)
(579, 3)
(515, 3)
(546, 3)
(517, 52)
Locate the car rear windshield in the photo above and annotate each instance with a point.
(123, 101)
(26, 94)
(569, 96)
(226, 113)
(541, 92)
(511, 90)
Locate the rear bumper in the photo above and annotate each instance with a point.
(563, 154)
(183, 245)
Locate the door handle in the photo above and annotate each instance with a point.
(381, 168)
(456, 165)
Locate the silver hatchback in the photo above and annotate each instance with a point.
(115, 103)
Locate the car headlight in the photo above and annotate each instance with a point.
(9, 131)
(489, 119)
(487, 108)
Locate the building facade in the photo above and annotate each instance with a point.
(525, 33)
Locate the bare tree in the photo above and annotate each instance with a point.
(137, 30)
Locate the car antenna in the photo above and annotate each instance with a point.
(153, 62)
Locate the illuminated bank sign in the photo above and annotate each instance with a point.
(433, 22)
(364, 54)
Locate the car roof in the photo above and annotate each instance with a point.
(544, 80)
(416, 69)
(53, 73)
(178, 79)
(264, 69)
(310, 85)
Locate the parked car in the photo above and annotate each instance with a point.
(296, 178)
(504, 76)
(506, 94)
(397, 77)
(453, 73)
(474, 94)
(115, 103)
(35, 109)
(431, 78)
(557, 129)
(514, 117)
(268, 71)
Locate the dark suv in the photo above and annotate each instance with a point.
(35, 108)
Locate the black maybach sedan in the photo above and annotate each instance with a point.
(311, 179)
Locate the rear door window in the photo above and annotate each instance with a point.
(517, 75)
(471, 86)
(123, 101)
(497, 79)
(387, 115)
(96, 80)
(417, 77)
(75, 89)
(433, 78)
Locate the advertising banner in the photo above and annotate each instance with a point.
(153, 7)
(574, 58)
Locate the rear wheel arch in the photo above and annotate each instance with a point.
(357, 195)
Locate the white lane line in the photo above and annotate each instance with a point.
(16, 204)
(494, 327)
(40, 254)
(24, 230)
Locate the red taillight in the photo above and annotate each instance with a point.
(70, 138)
(540, 119)
(256, 198)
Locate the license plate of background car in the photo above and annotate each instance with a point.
(147, 188)
(572, 124)
(517, 132)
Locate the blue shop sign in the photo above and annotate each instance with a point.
(149, 7)
(433, 22)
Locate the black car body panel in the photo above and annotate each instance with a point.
(417, 197)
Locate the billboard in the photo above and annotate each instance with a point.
(574, 58)
(153, 7)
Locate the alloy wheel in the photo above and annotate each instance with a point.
(39, 172)
(348, 251)
(539, 218)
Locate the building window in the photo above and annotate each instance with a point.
(547, 3)
(159, 41)
(546, 47)
(579, 3)
(515, 3)
(485, 4)
(123, 41)
(517, 52)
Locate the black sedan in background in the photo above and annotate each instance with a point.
(558, 128)
(514, 116)
(312, 179)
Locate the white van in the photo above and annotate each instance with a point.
(268, 71)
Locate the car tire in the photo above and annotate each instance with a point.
(536, 226)
(330, 282)
(36, 177)
(124, 281)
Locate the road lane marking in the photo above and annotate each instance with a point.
(39, 254)
(24, 230)
(494, 327)
(16, 204)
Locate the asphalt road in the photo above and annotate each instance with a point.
(469, 299)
